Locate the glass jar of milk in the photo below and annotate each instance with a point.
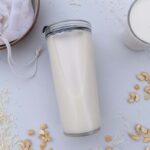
(137, 33)
(72, 62)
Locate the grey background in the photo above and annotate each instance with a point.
(35, 100)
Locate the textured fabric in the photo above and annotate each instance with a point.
(13, 64)
(16, 17)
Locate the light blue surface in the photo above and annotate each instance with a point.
(116, 70)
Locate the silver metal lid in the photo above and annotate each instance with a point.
(65, 26)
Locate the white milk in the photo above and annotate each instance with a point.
(71, 55)
(137, 34)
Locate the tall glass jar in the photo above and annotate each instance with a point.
(72, 62)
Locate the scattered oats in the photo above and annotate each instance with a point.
(134, 137)
(137, 98)
(141, 131)
(31, 132)
(42, 133)
(140, 77)
(3, 117)
(108, 138)
(137, 87)
(44, 126)
(147, 89)
(146, 139)
(146, 97)
(43, 145)
(25, 144)
(44, 137)
(51, 148)
(133, 97)
(144, 130)
(138, 128)
(131, 100)
(148, 132)
(1, 18)
(108, 148)
(28, 143)
(146, 76)
(7, 139)
(21, 144)
(147, 148)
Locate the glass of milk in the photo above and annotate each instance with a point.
(137, 33)
(72, 62)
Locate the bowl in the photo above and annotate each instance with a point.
(36, 7)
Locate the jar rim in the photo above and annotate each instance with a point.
(66, 25)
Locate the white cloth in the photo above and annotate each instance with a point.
(16, 17)
(12, 63)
